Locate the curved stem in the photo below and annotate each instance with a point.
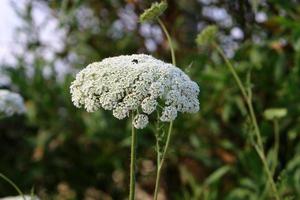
(260, 147)
(161, 157)
(12, 184)
(276, 149)
(232, 70)
(132, 162)
(169, 41)
(160, 161)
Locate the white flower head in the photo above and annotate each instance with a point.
(11, 103)
(130, 82)
(140, 121)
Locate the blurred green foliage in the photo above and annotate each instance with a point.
(66, 153)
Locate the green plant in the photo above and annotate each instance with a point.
(148, 85)
(89, 152)
(13, 185)
(247, 95)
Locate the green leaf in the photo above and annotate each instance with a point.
(216, 175)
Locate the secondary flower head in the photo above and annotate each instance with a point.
(10, 103)
(135, 82)
(275, 113)
(207, 36)
(153, 12)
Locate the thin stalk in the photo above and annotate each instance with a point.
(157, 135)
(158, 157)
(268, 172)
(260, 147)
(167, 143)
(161, 157)
(276, 149)
(161, 161)
(12, 184)
(254, 121)
(276, 144)
(132, 162)
(157, 175)
(260, 150)
(243, 91)
(169, 41)
(232, 70)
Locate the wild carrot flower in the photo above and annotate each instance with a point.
(135, 83)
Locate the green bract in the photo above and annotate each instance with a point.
(153, 12)
(207, 36)
(275, 113)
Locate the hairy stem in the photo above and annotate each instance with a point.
(132, 162)
(160, 160)
(161, 157)
(12, 184)
(276, 144)
(259, 148)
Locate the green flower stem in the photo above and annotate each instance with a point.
(276, 144)
(160, 160)
(158, 168)
(232, 70)
(132, 162)
(161, 157)
(276, 149)
(169, 40)
(12, 184)
(259, 148)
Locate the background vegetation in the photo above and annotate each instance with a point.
(66, 153)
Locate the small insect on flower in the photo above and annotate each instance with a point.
(135, 61)
(11, 103)
(131, 83)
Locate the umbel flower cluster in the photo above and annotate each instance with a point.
(138, 83)
(10, 103)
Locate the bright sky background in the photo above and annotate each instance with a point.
(8, 21)
(50, 36)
